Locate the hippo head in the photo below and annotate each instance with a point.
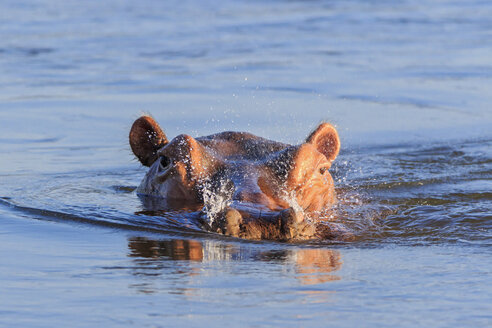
(248, 186)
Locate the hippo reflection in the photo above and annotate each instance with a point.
(248, 186)
(175, 249)
(312, 265)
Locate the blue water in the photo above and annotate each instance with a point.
(407, 84)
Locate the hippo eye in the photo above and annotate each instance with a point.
(164, 162)
(323, 170)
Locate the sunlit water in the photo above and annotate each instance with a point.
(407, 84)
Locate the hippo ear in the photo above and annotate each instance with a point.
(146, 138)
(325, 139)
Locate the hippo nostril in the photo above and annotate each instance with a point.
(291, 216)
(233, 219)
(290, 220)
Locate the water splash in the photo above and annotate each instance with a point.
(291, 199)
(216, 198)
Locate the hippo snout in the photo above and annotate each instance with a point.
(286, 225)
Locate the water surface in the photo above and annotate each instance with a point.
(408, 86)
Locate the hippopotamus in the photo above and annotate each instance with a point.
(246, 186)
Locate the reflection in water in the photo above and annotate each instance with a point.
(182, 259)
(175, 249)
(156, 258)
(314, 265)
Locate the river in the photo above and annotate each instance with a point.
(408, 85)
